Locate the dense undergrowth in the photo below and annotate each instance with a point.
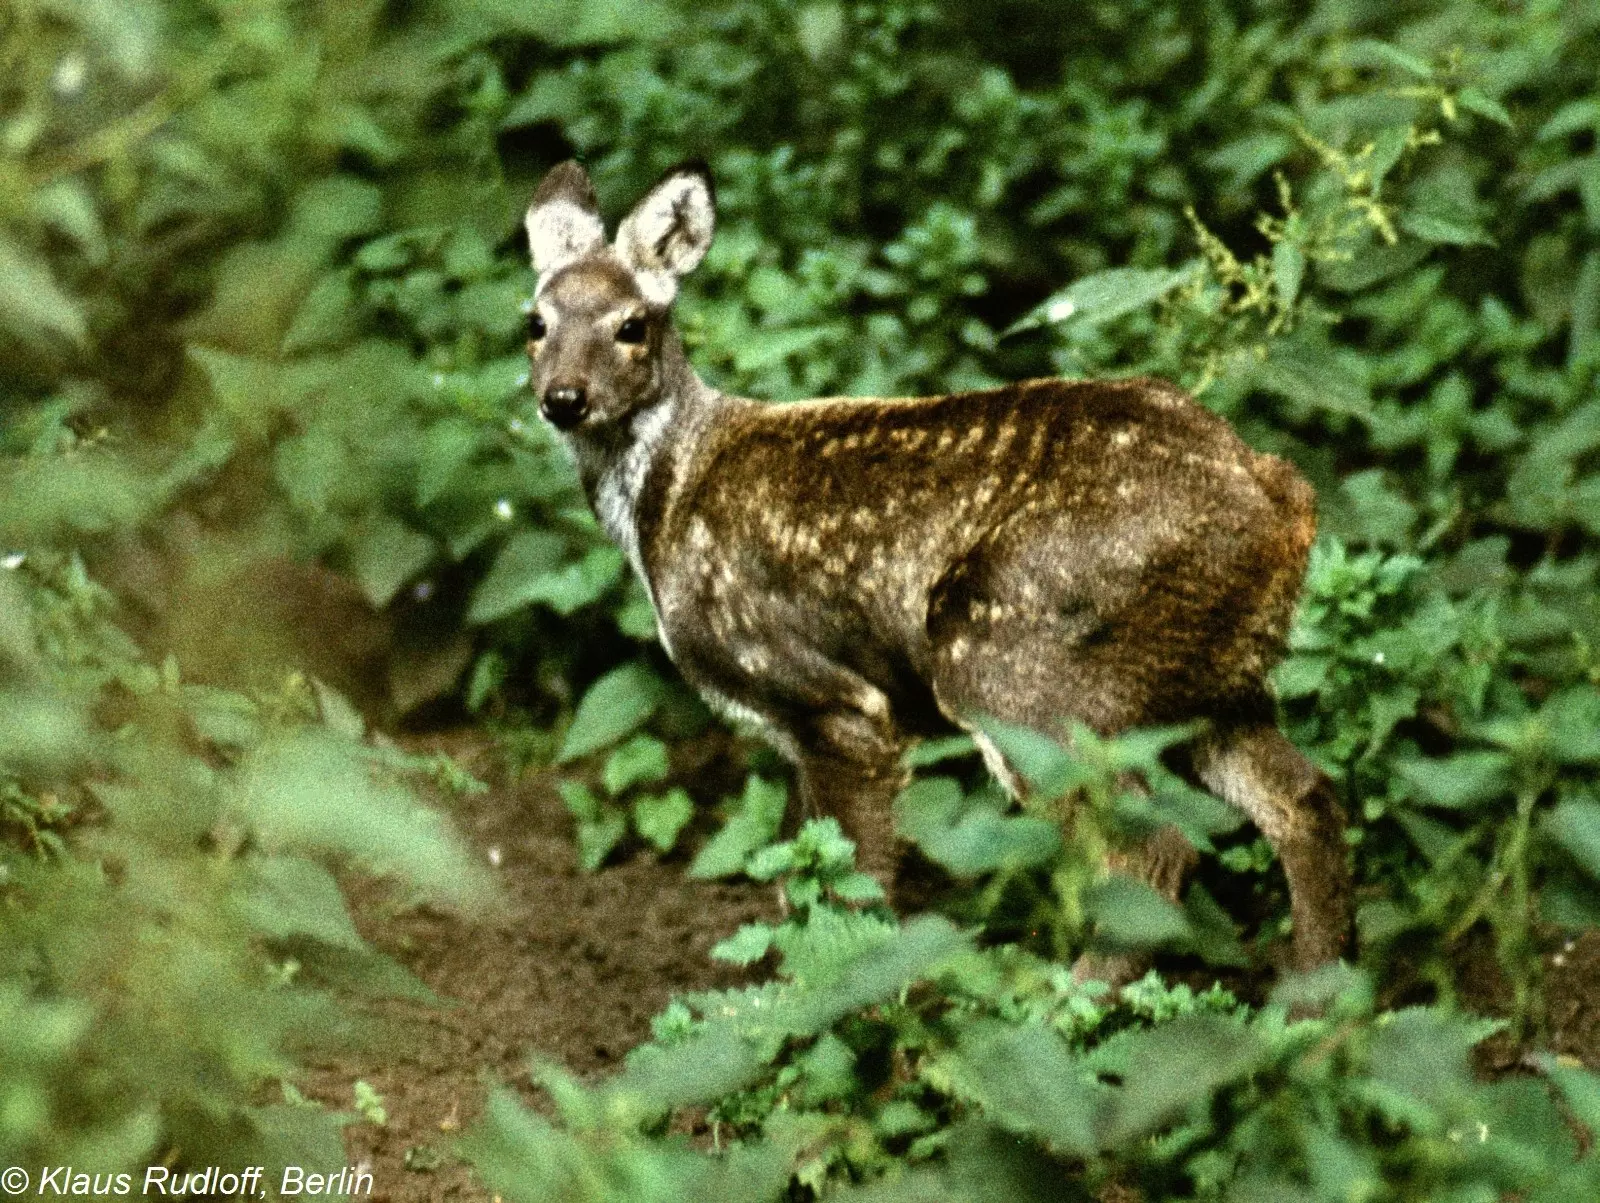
(271, 475)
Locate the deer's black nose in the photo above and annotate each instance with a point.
(564, 407)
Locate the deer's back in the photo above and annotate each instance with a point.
(1118, 513)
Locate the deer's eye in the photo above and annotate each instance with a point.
(632, 330)
(536, 329)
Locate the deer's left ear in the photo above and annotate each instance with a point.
(563, 222)
(670, 230)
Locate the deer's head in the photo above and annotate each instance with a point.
(599, 318)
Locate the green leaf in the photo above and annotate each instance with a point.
(1570, 901)
(660, 817)
(1445, 228)
(41, 731)
(1382, 514)
(519, 571)
(1026, 1080)
(386, 553)
(338, 714)
(761, 349)
(642, 759)
(579, 22)
(819, 29)
(287, 896)
(1213, 935)
(1314, 375)
(934, 751)
(577, 585)
(313, 792)
(1368, 52)
(1576, 116)
(1099, 298)
(443, 451)
(878, 971)
(746, 946)
(1579, 1086)
(1288, 270)
(1484, 105)
(1423, 1055)
(331, 210)
(982, 841)
(1435, 840)
(1575, 825)
(580, 801)
(1570, 719)
(326, 318)
(754, 822)
(32, 302)
(249, 391)
(1175, 1067)
(1129, 914)
(596, 838)
(1301, 676)
(552, 96)
(1585, 330)
(1463, 780)
(858, 889)
(1050, 768)
(616, 705)
(225, 718)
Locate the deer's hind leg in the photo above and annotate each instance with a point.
(1038, 680)
(1163, 862)
(1257, 769)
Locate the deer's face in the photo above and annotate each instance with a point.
(593, 341)
(600, 312)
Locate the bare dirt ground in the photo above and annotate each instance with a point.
(575, 965)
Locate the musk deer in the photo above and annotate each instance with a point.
(852, 574)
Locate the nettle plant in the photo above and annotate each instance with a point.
(175, 941)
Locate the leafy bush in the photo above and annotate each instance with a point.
(173, 939)
(906, 1057)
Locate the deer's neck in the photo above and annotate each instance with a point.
(631, 471)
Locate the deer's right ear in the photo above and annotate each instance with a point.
(563, 221)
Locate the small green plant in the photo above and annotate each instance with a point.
(1041, 874)
(369, 1104)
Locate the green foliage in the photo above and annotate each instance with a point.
(173, 936)
(1041, 872)
(752, 822)
(260, 289)
(603, 823)
(909, 1055)
(1367, 237)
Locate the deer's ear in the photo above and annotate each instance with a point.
(670, 230)
(563, 221)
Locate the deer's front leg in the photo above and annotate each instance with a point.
(849, 766)
(835, 725)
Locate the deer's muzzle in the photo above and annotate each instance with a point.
(564, 407)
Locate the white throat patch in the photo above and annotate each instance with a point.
(616, 500)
